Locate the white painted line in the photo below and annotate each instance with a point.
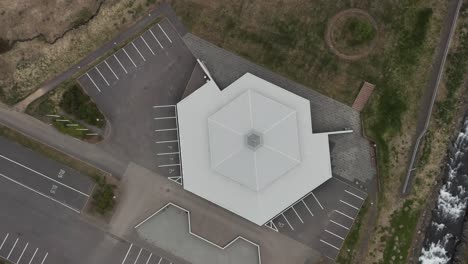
(129, 57)
(317, 200)
(108, 66)
(24, 249)
(147, 261)
(344, 214)
(169, 165)
(156, 39)
(167, 153)
(13, 248)
(139, 253)
(355, 195)
(120, 64)
(166, 129)
(297, 214)
(292, 228)
(160, 259)
(102, 76)
(95, 85)
(62, 120)
(166, 141)
(6, 237)
(33, 256)
(308, 209)
(165, 33)
(71, 125)
(47, 254)
(40, 174)
(41, 194)
(338, 224)
(147, 45)
(141, 55)
(326, 243)
(330, 232)
(350, 205)
(82, 129)
(92, 134)
(53, 115)
(128, 251)
(165, 117)
(160, 106)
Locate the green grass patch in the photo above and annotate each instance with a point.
(360, 31)
(70, 130)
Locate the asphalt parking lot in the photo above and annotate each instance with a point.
(138, 255)
(18, 250)
(323, 218)
(45, 177)
(132, 85)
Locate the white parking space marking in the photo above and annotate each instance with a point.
(167, 141)
(165, 129)
(317, 200)
(129, 57)
(147, 44)
(289, 224)
(95, 85)
(141, 55)
(139, 253)
(165, 117)
(167, 153)
(125, 70)
(126, 255)
(160, 259)
(169, 165)
(338, 224)
(13, 248)
(326, 243)
(308, 209)
(102, 76)
(161, 106)
(41, 194)
(298, 216)
(40, 174)
(30, 261)
(165, 33)
(355, 195)
(344, 214)
(108, 66)
(22, 253)
(3, 243)
(147, 261)
(350, 205)
(42, 262)
(157, 40)
(333, 234)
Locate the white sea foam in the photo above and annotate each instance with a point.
(436, 253)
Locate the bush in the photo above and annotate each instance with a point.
(103, 197)
(361, 31)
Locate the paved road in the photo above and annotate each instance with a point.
(163, 9)
(430, 94)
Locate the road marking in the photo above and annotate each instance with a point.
(11, 251)
(24, 166)
(166, 141)
(128, 251)
(102, 75)
(169, 165)
(6, 237)
(160, 259)
(338, 224)
(350, 205)
(344, 214)
(330, 232)
(24, 249)
(156, 39)
(167, 153)
(62, 120)
(166, 129)
(82, 129)
(165, 117)
(71, 125)
(95, 85)
(149, 258)
(355, 195)
(165, 33)
(133, 44)
(297, 214)
(33, 256)
(129, 57)
(308, 209)
(139, 253)
(53, 115)
(326, 243)
(108, 66)
(120, 64)
(47, 253)
(317, 200)
(41, 194)
(147, 45)
(287, 222)
(160, 106)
